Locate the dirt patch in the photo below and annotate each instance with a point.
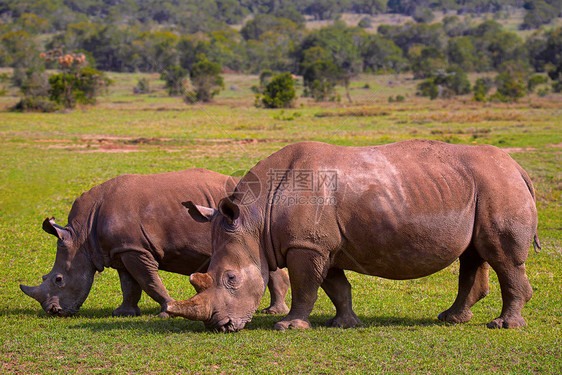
(116, 144)
(362, 112)
(464, 117)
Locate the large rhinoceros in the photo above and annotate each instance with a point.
(398, 211)
(136, 224)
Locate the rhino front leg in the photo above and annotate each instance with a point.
(338, 289)
(131, 295)
(473, 286)
(307, 269)
(144, 269)
(278, 285)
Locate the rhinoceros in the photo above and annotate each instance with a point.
(137, 225)
(398, 211)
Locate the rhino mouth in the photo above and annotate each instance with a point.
(226, 324)
(54, 309)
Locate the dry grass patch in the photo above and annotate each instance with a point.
(356, 112)
(465, 117)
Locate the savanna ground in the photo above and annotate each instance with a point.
(50, 159)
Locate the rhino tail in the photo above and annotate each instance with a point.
(536, 243)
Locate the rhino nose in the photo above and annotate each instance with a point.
(54, 310)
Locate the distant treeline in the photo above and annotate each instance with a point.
(269, 42)
(189, 16)
(279, 44)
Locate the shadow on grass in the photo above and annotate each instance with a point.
(153, 324)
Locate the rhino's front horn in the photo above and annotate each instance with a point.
(32, 291)
(195, 308)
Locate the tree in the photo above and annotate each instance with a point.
(423, 15)
(481, 88)
(538, 13)
(326, 9)
(426, 61)
(76, 83)
(381, 54)
(445, 84)
(206, 81)
(263, 23)
(279, 92)
(174, 77)
(371, 7)
(342, 45)
(461, 52)
(320, 78)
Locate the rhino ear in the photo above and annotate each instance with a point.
(229, 210)
(201, 214)
(56, 230)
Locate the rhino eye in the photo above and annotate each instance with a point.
(230, 280)
(59, 280)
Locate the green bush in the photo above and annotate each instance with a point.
(174, 77)
(82, 87)
(482, 86)
(142, 87)
(36, 104)
(206, 81)
(445, 84)
(542, 92)
(510, 87)
(428, 88)
(535, 81)
(365, 23)
(279, 92)
(265, 77)
(320, 78)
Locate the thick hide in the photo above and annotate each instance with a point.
(137, 225)
(398, 211)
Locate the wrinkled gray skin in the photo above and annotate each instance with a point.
(137, 225)
(399, 211)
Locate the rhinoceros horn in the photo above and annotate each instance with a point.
(196, 308)
(33, 291)
(200, 281)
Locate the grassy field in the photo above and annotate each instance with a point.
(50, 159)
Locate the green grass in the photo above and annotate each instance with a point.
(49, 159)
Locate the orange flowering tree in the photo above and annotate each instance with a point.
(76, 82)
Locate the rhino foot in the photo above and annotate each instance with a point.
(126, 311)
(276, 310)
(344, 321)
(283, 325)
(163, 315)
(507, 322)
(451, 316)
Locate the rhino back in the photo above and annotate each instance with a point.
(402, 210)
(144, 213)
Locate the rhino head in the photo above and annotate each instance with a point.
(66, 287)
(230, 291)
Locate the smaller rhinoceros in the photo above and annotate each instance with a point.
(137, 225)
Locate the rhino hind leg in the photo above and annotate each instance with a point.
(278, 286)
(473, 286)
(131, 295)
(506, 251)
(516, 291)
(338, 289)
(144, 269)
(306, 272)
